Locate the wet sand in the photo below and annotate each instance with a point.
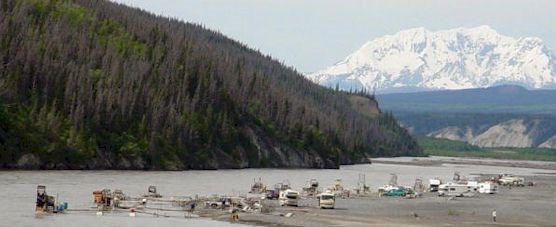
(440, 160)
(521, 206)
(516, 206)
(526, 206)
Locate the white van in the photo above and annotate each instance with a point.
(326, 200)
(434, 184)
(288, 198)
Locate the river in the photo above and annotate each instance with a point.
(76, 187)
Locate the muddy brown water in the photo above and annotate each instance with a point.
(76, 187)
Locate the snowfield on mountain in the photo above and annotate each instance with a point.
(418, 59)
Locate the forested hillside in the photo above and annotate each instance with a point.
(90, 84)
(500, 99)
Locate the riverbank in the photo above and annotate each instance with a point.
(440, 160)
(523, 206)
(76, 188)
(452, 148)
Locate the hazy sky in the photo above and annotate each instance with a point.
(313, 34)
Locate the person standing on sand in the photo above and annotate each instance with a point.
(494, 215)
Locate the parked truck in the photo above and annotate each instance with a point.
(510, 180)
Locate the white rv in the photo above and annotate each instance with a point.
(487, 188)
(473, 185)
(288, 197)
(434, 184)
(326, 200)
(453, 189)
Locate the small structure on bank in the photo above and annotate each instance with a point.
(48, 204)
(258, 187)
(312, 189)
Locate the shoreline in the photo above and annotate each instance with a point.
(440, 160)
(535, 202)
(404, 160)
(428, 210)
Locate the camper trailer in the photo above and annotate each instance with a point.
(288, 198)
(487, 188)
(326, 200)
(453, 189)
(473, 185)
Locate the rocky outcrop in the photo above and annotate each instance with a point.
(550, 143)
(453, 133)
(364, 105)
(264, 153)
(28, 161)
(512, 133)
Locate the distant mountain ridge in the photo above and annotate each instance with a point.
(418, 59)
(484, 129)
(501, 116)
(499, 99)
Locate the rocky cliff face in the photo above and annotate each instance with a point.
(550, 143)
(511, 133)
(266, 153)
(453, 133)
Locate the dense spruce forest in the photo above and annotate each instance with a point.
(91, 84)
(501, 99)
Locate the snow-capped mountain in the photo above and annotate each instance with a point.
(419, 59)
